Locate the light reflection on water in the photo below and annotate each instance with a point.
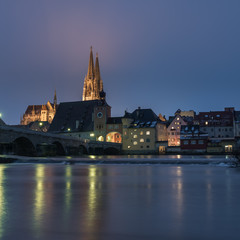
(3, 201)
(119, 202)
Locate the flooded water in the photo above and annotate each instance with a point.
(115, 202)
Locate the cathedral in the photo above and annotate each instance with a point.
(93, 84)
(43, 113)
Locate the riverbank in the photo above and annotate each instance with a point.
(125, 159)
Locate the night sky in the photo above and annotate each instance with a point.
(157, 54)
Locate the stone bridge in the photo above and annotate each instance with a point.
(14, 140)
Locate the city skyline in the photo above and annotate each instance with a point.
(157, 54)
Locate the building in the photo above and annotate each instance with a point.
(114, 129)
(143, 132)
(193, 140)
(219, 125)
(82, 119)
(93, 84)
(43, 113)
(174, 129)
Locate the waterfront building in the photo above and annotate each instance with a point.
(174, 128)
(82, 119)
(219, 125)
(114, 129)
(193, 140)
(44, 113)
(143, 132)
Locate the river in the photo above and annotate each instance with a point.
(119, 201)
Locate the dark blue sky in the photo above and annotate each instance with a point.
(157, 54)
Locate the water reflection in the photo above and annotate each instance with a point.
(3, 202)
(68, 189)
(39, 197)
(177, 187)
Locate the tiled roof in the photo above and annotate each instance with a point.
(114, 120)
(75, 115)
(143, 115)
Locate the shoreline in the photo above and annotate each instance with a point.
(220, 159)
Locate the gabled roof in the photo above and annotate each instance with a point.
(114, 120)
(143, 115)
(78, 116)
(37, 108)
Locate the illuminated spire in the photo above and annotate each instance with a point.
(90, 73)
(97, 69)
(55, 99)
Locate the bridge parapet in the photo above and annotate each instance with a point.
(29, 142)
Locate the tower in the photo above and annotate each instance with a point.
(93, 85)
(55, 100)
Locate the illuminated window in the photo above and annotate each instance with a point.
(134, 136)
(147, 132)
(200, 141)
(177, 118)
(141, 133)
(135, 143)
(193, 142)
(206, 123)
(129, 146)
(91, 134)
(141, 140)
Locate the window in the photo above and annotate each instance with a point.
(135, 143)
(147, 140)
(193, 142)
(135, 136)
(177, 118)
(141, 140)
(141, 133)
(129, 146)
(206, 123)
(200, 142)
(172, 133)
(147, 146)
(147, 132)
(116, 127)
(185, 142)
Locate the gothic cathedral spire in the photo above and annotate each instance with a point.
(93, 85)
(55, 100)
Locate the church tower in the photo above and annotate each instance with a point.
(93, 85)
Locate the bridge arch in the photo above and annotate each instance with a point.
(24, 147)
(59, 149)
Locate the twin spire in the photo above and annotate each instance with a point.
(93, 72)
(93, 85)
